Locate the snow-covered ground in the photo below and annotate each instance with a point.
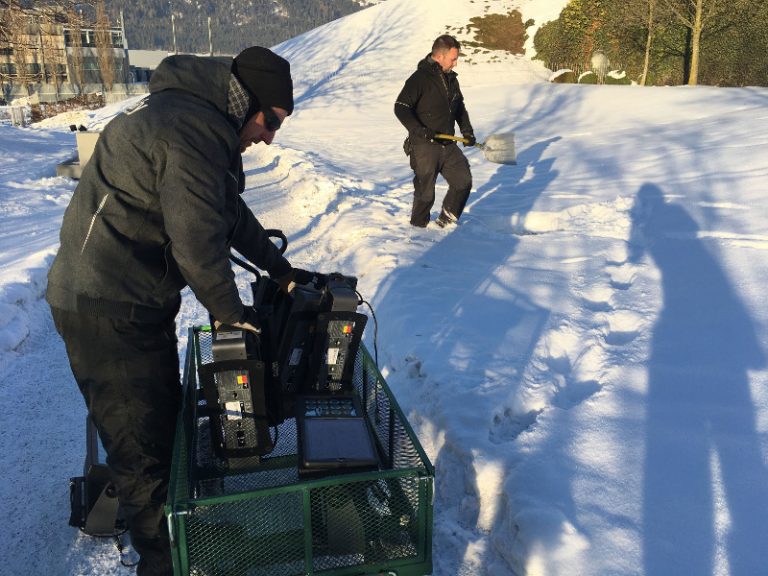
(584, 357)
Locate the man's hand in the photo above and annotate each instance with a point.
(249, 321)
(286, 282)
(295, 276)
(428, 133)
(470, 140)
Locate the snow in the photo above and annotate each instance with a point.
(583, 357)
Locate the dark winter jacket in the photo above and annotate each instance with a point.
(432, 99)
(158, 206)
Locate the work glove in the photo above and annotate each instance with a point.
(470, 140)
(428, 133)
(286, 281)
(294, 277)
(249, 321)
(305, 277)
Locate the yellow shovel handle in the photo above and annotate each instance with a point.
(449, 137)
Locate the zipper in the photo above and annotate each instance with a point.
(447, 92)
(233, 231)
(93, 221)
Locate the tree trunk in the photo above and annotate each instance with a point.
(104, 50)
(20, 48)
(76, 41)
(693, 77)
(648, 42)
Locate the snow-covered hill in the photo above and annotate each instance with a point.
(584, 356)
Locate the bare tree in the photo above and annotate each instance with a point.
(643, 15)
(52, 50)
(5, 25)
(5, 37)
(20, 32)
(648, 42)
(76, 44)
(697, 15)
(104, 50)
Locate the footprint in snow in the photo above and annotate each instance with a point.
(575, 393)
(413, 367)
(622, 277)
(598, 298)
(622, 326)
(507, 425)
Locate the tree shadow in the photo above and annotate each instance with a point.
(705, 500)
(383, 32)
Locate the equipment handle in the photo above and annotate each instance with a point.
(449, 137)
(273, 233)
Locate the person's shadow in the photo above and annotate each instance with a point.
(705, 501)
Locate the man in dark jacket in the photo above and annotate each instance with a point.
(158, 208)
(431, 103)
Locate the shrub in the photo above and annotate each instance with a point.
(564, 76)
(617, 77)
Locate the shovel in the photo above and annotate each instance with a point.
(499, 148)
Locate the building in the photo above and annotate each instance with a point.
(54, 46)
(143, 63)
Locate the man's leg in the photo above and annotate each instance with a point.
(425, 161)
(455, 170)
(128, 373)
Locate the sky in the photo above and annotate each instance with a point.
(584, 357)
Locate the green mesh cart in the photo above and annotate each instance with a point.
(261, 519)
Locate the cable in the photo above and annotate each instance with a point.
(375, 328)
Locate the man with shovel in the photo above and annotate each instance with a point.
(429, 104)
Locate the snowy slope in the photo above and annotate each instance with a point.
(584, 357)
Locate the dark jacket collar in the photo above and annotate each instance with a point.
(429, 65)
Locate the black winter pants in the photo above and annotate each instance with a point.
(428, 160)
(128, 373)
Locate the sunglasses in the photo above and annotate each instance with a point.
(271, 120)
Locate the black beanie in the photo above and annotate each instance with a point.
(266, 76)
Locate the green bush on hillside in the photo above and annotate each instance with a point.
(731, 54)
(563, 77)
(617, 77)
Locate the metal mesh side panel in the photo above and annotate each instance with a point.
(179, 484)
(246, 482)
(394, 439)
(254, 537)
(204, 343)
(278, 469)
(365, 522)
(358, 522)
